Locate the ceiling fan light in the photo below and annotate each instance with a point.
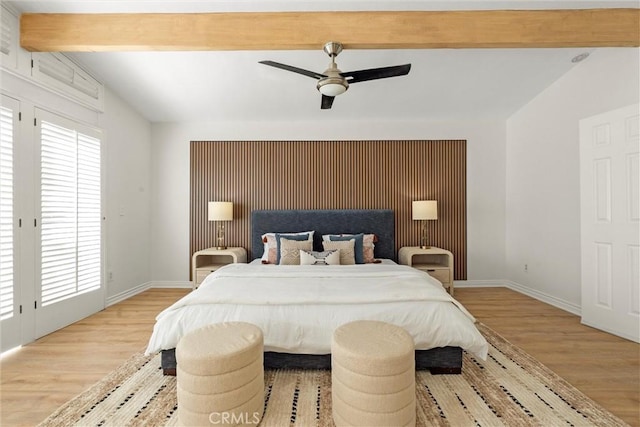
(332, 86)
(332, 89)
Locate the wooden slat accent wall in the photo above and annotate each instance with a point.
(332, 175)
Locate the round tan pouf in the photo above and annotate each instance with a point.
(373, 375)
(220, 375)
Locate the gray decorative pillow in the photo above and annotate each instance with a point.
(320, 258)
(290, 250)
(346, 248)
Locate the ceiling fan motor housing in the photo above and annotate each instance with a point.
(334, 84)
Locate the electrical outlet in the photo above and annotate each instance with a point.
(110, 276)
(526, 267)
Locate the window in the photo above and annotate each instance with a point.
(6, 213)
(70, 180)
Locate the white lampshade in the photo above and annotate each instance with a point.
(220, 211)
(425, 209)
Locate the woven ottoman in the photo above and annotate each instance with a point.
(373, 375)
(220, 375)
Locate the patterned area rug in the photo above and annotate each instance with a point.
(509, 389)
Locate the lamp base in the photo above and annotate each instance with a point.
(221, 248)
(425, 247)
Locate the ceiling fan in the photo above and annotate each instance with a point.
(332, 82)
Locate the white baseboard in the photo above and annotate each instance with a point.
(546, 298)
(127, 294)
(479, 284)
(143, 287)
(170, 284)
(540, 296)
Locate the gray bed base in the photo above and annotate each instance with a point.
(441, 360)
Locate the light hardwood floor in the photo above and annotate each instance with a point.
(602, 366)
(43, 375)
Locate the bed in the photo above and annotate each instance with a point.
(298, 307)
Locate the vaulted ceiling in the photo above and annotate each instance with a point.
(444, 84)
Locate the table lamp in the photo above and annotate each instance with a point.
(218, 212)
(424, 210)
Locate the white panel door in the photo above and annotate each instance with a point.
(610, 218)
(10, 318)
(70, 250)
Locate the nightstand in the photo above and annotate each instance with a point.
(208, 260)
(435, 261)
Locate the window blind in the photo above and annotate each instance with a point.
(6, 34)
(70, 213)
(6, 213)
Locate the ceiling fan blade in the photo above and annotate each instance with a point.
(376, 73)
(286, 67)
(327, 102)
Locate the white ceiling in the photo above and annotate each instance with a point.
(442, 84)
(448, 84)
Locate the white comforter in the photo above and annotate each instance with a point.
(298, 307)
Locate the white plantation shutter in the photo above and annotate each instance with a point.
(6, 34)
(89, 252)
(9, 35)
(70, 213)
(6, 213)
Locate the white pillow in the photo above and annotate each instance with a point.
(331, 257)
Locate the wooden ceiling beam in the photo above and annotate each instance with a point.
(311, 30)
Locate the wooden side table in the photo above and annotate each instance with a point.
(437, 262)
(206, 261)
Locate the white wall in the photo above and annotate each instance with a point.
(128, 197)
(543, 173)
(170, 178)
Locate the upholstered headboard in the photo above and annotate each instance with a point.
(351, 221)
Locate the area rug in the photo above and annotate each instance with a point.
(510, 388)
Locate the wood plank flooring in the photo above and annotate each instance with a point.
(45, 374)
(604, 367)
